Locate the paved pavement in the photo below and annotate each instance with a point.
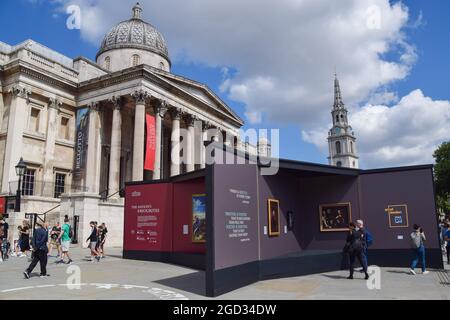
(115, 278)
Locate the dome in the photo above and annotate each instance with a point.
(135, 34)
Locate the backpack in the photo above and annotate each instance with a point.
(70, 232)
(369, 238)
(2, 231)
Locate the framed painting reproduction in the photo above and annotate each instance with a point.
(273, 211)
(398, 216)
(335, 217)
(198, 228)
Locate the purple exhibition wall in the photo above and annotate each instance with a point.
(303, 195)
(235, 208)
(414, 188)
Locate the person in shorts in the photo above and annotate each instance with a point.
(55, 233)
(65, 239)
(93, 239)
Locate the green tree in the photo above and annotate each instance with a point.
(442, 176)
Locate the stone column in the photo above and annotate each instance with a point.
(116, 148)
(52, 132)
(160, 112)
(175, 142)
(94, 149)
(204, 138)
(190, 143)
(14, 140)
(139, 134)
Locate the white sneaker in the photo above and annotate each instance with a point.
(13, 254)
(426, 272)
(412, 272)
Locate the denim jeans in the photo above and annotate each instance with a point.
(419, 254)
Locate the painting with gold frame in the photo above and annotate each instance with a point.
(398, 216)
(198, 226)
(273, 212)
(335, 217)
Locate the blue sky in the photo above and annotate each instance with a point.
(44, 22)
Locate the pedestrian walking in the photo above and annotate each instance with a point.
(25, 238)
(447, 240)
(367, 241)
(55, 240)
(40, 250)
(417, 243)
(354, 249)
(92, 239)
(4, 248)
(66, 239)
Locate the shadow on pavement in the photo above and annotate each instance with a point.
(334, 276)
(398, 271)
(192, 282)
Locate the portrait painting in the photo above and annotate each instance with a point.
(335, 217)
(198, 229)
(273, 209)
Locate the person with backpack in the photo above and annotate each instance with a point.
(66, 238)
(367, 241)
(417, 243)
(354, 248)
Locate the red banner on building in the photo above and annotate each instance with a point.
(150, 148)
(2, 205)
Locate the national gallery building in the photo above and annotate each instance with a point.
(84, 128)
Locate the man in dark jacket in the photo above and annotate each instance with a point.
(40, 251)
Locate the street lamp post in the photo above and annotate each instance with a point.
(20, 171)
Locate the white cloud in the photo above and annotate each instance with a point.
(284, 53)
(404, 134)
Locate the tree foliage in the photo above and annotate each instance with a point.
(442, 175)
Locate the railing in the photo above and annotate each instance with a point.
(46, 189)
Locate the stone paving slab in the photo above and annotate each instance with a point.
(115, 278)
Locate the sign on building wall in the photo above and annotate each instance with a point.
(148, 218)
(81, 142)
(150, 148)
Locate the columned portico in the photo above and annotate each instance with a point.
(94, 149)
(204, 137)
(160, 112)
(14, 139)
(54, 106)
(139, 134)
(190, 143)
(116, 147)
(175, 142)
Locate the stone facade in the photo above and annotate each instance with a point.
(43, 91)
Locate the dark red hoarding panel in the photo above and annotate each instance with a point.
(150, 148)
(183, 216)
(148, 217)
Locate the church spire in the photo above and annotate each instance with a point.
(338, 103)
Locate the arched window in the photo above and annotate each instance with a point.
(337, 118)
(108, 63)
(339, 164)
(136, 60)
(162, 66)
(351, 147)
(354, 164)
(338, 147)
